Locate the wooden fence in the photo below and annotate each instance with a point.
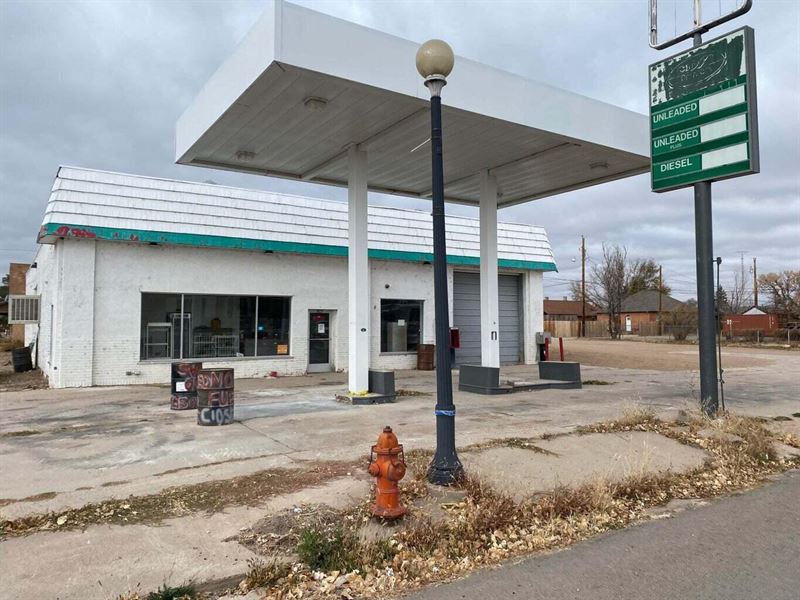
(594, 329)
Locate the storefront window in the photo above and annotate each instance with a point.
(273, 326)
(400, 325)
(207, 326)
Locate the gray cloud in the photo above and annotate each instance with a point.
(101, 85)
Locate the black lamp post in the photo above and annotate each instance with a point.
(434, 62)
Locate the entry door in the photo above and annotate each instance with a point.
(319, 342)
(628, 324)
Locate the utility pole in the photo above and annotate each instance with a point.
(660, 291)
(755, 283)
(583, 286)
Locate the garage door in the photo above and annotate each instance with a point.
(467, 317)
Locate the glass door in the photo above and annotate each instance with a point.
(319, 342)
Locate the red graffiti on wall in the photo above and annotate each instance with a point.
(82, 233)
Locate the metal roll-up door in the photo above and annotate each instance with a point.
(510, 320)
(467, 317)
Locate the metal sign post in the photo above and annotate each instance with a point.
(704, 128)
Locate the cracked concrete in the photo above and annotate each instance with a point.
(65, 448)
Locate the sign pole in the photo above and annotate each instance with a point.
(707, 341)
(704, 128)
(704, 244)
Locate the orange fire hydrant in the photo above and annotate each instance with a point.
(389, 468)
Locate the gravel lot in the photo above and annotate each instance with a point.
(630, 354)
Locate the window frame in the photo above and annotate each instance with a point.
(421, 304)
(254, 356)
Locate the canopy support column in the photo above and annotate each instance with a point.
(490, 302)
(358, 295)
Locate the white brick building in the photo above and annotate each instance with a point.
(135, 272)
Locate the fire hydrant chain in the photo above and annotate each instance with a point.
(389, 467)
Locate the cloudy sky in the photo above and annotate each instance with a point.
(101, 84)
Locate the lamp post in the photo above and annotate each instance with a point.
(434, 62)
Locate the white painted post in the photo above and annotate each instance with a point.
(533, 314)
(358, 294)
(490, 301)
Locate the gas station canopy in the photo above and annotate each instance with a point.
(303, 87)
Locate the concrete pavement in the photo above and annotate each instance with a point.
(736, 548)
(84, 445)
(65, 448)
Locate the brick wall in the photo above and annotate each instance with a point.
(16, 286)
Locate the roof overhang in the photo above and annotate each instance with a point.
(303, 87)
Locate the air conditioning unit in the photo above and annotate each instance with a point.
(23, 309)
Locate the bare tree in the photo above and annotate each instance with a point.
(739, 297)
(784, 291)
(614, 279)
(607, 285)
(681, 321)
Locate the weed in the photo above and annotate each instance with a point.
(487, 509)
(633, 417)
(424, 537)
(21, 433)
(208, 496)
(166, 592)
(487, 527)
(565, 502)
(410, 393)
(377, 553)
(637, 415)
(757, 439)
(522, 443)
(597, 382)
(263, 574)
(797, 414)
(336, 550)
(781, 418)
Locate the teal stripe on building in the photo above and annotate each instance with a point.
(235, 243)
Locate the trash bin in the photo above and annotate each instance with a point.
(425, 354)
(215, 397)
(184, 385)
(21, 359)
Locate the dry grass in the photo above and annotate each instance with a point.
(757, 438)
(514, 442)
(488, 526)
(263, 574)
(205, 497)
(8, 345)
(634, 417)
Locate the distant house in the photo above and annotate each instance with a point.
(641, 308)
(567, 310)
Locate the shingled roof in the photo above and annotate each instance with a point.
(567, 307)
(132, 208)
(647, 301)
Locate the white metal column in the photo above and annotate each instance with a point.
(357, 273)
(490, 303)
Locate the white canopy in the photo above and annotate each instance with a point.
(303, 87)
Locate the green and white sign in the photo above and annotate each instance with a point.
(703, 120)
